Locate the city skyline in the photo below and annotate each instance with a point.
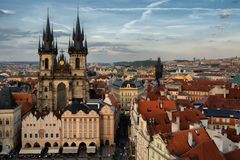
(123, 30)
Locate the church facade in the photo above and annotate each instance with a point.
(62, 81)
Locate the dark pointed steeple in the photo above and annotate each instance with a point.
(48, 39)
(78, 38)
(158, 70)
(48, 23)
(39, 44)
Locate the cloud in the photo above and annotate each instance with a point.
(6, 12)
(224, 15)
(60, 32)
(11, 33)
(129, 27)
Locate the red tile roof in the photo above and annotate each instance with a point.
(187, 117)
(204, 151)
(184, 103)
(219, 102)
(231, 134)
(233, 155)
(177, 142)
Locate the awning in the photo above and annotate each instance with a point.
(30, 151)
(53, 150)
(91, 149)
(5, 151)
(70, 150)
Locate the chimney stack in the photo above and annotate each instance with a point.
(190, 139)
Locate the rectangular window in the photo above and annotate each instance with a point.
(51, 135)
(30, 135)
(25, 135)
(57, 135)
(90, 127)
(46, 135)
(36, 135)
(81, 135)
(90, 135)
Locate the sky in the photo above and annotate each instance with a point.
(124, 30)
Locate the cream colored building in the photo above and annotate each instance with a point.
(10, 122)
(87, 125)
(158, 150)
(39, 131)
(143, 139)
(125, 91)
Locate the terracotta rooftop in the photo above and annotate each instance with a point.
(177, 142)
(187, 117)
(204, 151)
(184, 103)
(231, 134)
(233, 155)
(223, 103)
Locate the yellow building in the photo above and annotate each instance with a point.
(125, 91)
(86, 126)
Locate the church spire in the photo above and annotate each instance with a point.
(48, 39)
(48, 23)
(77, 37)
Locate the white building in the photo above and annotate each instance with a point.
(10, 122)
(39, 131)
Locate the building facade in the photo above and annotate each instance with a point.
(10, 122)
(62, 80)
(125, 91)
(39, 131)
(87, 125)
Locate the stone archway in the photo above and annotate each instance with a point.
(65, 144)
(73, 144)
(28, 145)
(55, 144)
(61, 96)
(47, 144)
(82, 146)
(36, 145)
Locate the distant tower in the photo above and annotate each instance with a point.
(78, 51)
(47, 53)
(158, 71)
(61, 81)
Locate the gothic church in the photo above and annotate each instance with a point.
(62, 81)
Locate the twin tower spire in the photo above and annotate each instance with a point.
(77, 44)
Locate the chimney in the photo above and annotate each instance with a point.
(169, 113)
(178, 120)
(176, 125)
(237, 129)
(190, 139)
(161, 105)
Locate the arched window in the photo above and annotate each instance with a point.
(7, 134)
(77, 63)
(7, 122)
(45, 89)
(46, 63)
